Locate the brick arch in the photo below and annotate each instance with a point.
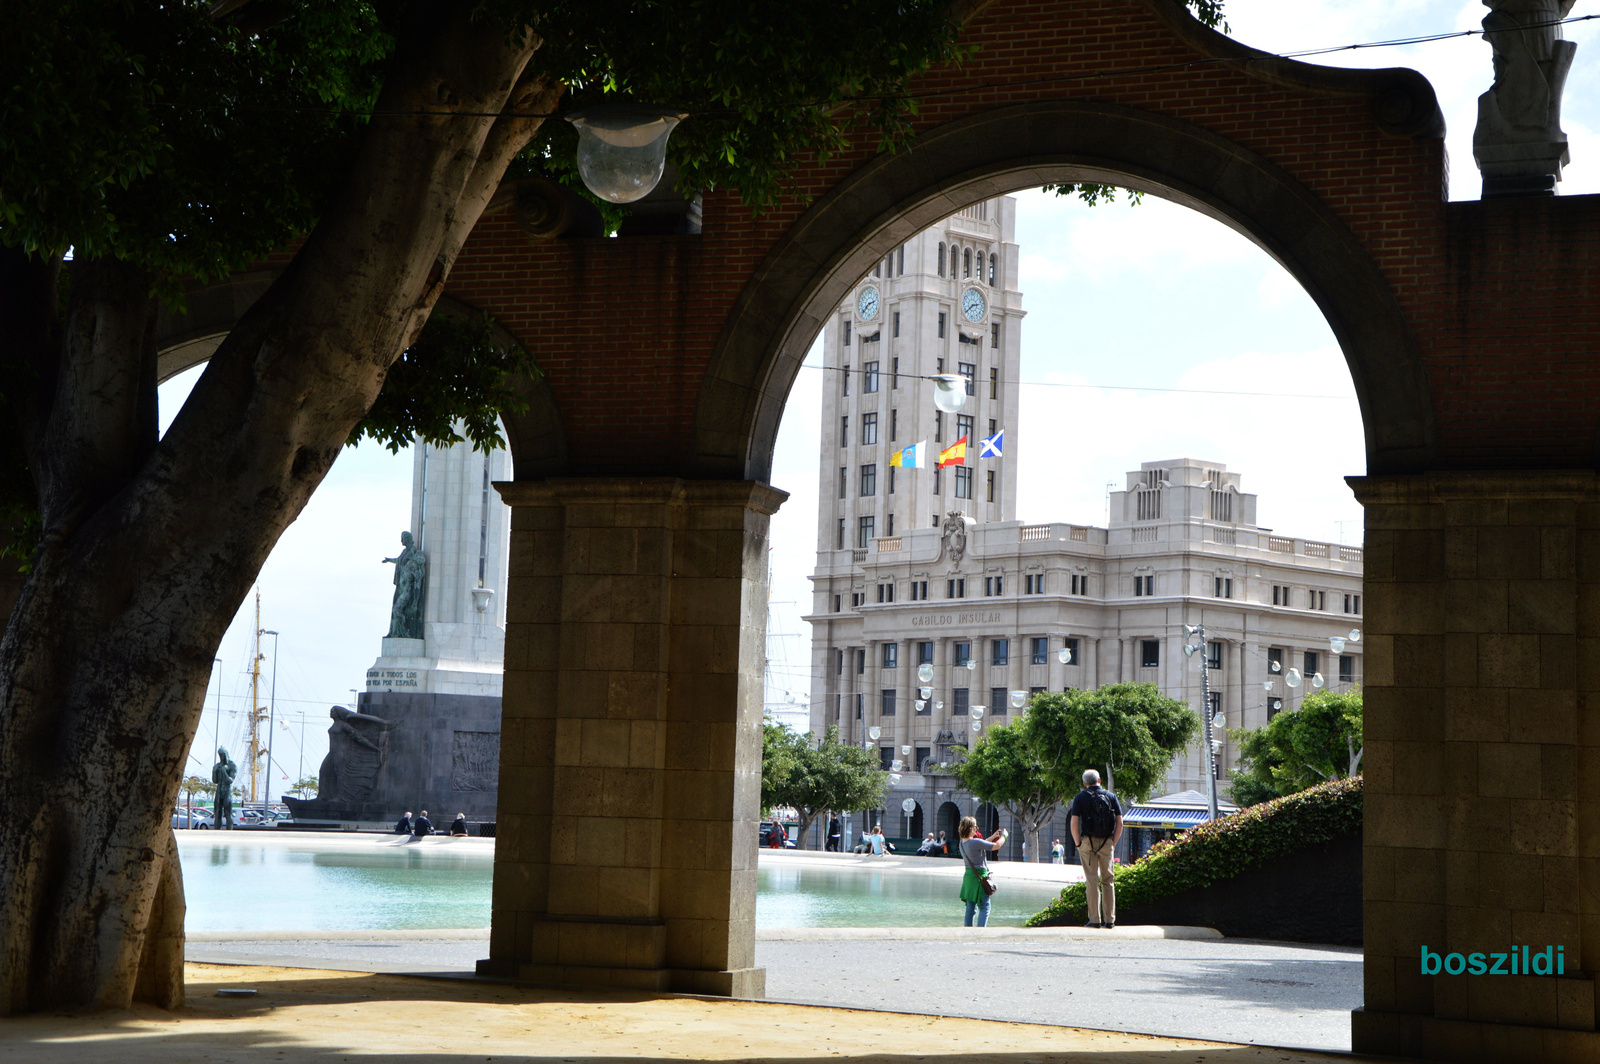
(812, 267)
(537, 440)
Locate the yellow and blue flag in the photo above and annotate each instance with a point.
(913, 457)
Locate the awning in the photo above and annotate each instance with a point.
(1140, 816)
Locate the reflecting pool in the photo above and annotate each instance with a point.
(283, 882)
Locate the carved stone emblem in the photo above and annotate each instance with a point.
(953, 544)
(475, 763)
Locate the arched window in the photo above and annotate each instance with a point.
(994, 271)
(966, 263)
(941, 258)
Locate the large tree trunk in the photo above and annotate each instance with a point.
(150, 547)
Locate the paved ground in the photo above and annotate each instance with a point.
(1125, 980)
(325, 1017)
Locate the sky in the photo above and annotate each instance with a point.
(1118, 298)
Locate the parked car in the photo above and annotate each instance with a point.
(181, 819)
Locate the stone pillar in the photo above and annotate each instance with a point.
(1482, 806)
(631, 752)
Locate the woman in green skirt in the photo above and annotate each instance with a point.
(975, 852)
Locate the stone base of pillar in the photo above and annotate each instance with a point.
(739, 983)
(1468, 1041)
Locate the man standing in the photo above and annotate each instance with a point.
(835, 834)
(1096, 819)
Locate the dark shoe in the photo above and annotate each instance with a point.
(1109, 926)
(1094, 925)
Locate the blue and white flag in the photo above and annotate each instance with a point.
(990, 446)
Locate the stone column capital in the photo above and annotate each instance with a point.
(1579, 485)
(561, 491)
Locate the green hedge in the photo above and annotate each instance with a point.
(1226, 847)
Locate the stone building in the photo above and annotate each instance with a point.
(1019, 609)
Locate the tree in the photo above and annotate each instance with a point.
(830, 775)
(1008, 768)
(161, 142)
(164, 142)
(193, 785)
(305, 787)
(781, 752)
(1300, 748)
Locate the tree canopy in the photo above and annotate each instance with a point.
(813, 777)
(1300, 748)
(1129, 732)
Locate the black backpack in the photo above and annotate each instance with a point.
(1099, 822)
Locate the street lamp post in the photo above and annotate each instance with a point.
(1197, 642)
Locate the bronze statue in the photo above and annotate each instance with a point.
(355, 754)
(222, 774)
(410, 572)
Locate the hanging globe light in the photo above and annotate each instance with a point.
(977, 725)
(972, 664)
(1064, 655)
(949, 392)
(921, 703)
(976, 711)
(1355, 635)
(906, 750)
(1293, 679)
(622, 148)
(925, 673)
(925, 692)
(1336, 644)
(873, 732)
(939, 706)
(1019, 699)
(1316, 679)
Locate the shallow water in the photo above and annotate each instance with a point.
(278, 884)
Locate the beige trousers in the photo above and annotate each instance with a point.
(1101, 888)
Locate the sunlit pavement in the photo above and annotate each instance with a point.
(319, 1016)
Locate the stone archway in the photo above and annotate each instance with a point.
(950, 167)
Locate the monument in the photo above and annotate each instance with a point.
(1518, 143)
(223, 774)
(426, 732)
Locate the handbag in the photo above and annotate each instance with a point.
(985, 881)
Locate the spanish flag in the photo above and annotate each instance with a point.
(955, 454)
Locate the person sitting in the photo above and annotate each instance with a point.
(881, 846)
(421, 826)
(928, 844)
(458, 829)
(943, 848)
(403, 825)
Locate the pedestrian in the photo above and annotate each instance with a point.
(881, 846)
(1095, 816)
(403, 825)
(927, 847)
(1058, 853)
(835, 834)
(458, 830)
(421, 826)
(775, 836)
(975, 852)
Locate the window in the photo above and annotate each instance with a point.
(886, 707)
(960, 698)
(1317, 600)
(1275, 661)
(869, 429)
(941, 325)
(869, 479)
(847, 344)
(894, 363)
(844, 482)
(941, 259)
(997, 701)
(963, 482)
(1033, 584)
(859, 699)
(993, 270)
(1213, 655)
(894, 422)
(994, 341)
(839, 545)
(1149, 653)
(1313, 664)
(966, 263)
(1216, 706)
(890, 530)
(861, 661)
(890, 651)
(994, 585)
(938, 426)
(956, 588)
(964, 427)
(1071, 647)
(838, 657)
(999, 651)
(886, 594)
(857, 599)
(844, 378)
(1040, 648)
(992, 426)
(969, 370)
(923, 754)
(938, 489)
(1080, 584)
(1144, 585)
(1280, 595)
(963, 653)
(919, 590)
(844, 431)
(990, 482)
(1224, 587)
(1274, 706)
(1034, 692)
(836, 604)
(864, 531)
(891, 492)
(901, 265)
(886, 756)
(1347, 668)
(1352, 604)
(869, 377)
(925, 648)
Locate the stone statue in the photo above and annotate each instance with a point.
(355, 754)
(410, 577)
(1518, 142)
(223, 774)
(954, 542)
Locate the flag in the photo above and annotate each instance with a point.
(913, 457)
(989, 446)
(955, 454)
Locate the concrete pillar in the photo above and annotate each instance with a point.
(1482, 805)
(630, 761)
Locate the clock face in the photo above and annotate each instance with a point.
(973, 305)
(867, 305)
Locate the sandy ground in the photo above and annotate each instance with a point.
(315, 1016)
